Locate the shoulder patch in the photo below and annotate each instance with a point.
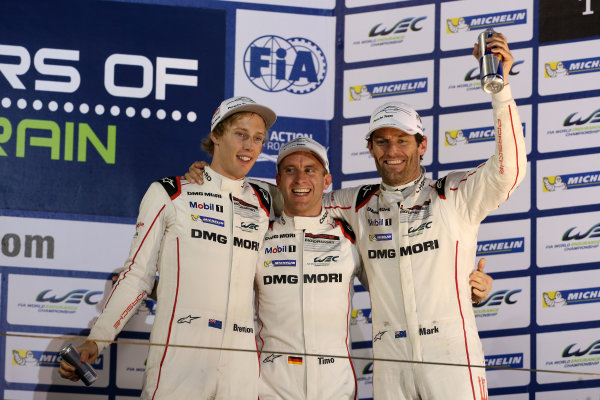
(440, 187)
(264, 197)
(172, 186)
(364, 194)
(346, 230)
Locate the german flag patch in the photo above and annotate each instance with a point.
(294, 360)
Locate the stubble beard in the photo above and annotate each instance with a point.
(408, 174)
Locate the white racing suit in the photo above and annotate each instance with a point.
(203, 241)
(304, 281)
(419, 280)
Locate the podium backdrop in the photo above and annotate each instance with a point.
(100, 98)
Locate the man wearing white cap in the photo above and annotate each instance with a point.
(418, 280)
(304, 281)
(203, 241)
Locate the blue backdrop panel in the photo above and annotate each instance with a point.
(60, 60)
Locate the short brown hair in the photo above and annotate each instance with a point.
(207, 143)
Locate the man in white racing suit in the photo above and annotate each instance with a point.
(418, 280)
(203, 242)
(304, 282)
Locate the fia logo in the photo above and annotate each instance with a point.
(274, 64)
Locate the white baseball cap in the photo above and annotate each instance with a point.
(239, 104)
(304, 144)
(395, 115)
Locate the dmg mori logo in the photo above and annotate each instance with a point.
(274, 64)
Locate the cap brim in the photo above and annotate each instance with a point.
(398, 126)
(297, 149)
(265, 112)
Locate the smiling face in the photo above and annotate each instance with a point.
(302, 178)
(236, 151)
(397, 155)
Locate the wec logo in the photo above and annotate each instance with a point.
(400, 27)
(474, 75)
(592, 349)
(73, 297)
(593, 232)
(274, 64)
(499, 297)
(320, 261)
(593, 118)
(249, 226)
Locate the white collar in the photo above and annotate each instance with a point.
(309, 223)
(400, 193)
(224, 183)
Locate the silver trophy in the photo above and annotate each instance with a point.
(490, 65)
(83, 370)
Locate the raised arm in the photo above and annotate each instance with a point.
(482, 190)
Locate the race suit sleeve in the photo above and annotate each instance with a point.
(360, 272)
(276, 198)
(478, 192)
(340, 204)
(138, 275)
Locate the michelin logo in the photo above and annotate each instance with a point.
(361, 316)
(514, 360)
(386, 89)
(571, 297)
(208, 220)
(378, 237)
(279, 263)
(34, 358)
(558, 69)
(473, 135)
(571, 181)
(484, 21)
(500, 246)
